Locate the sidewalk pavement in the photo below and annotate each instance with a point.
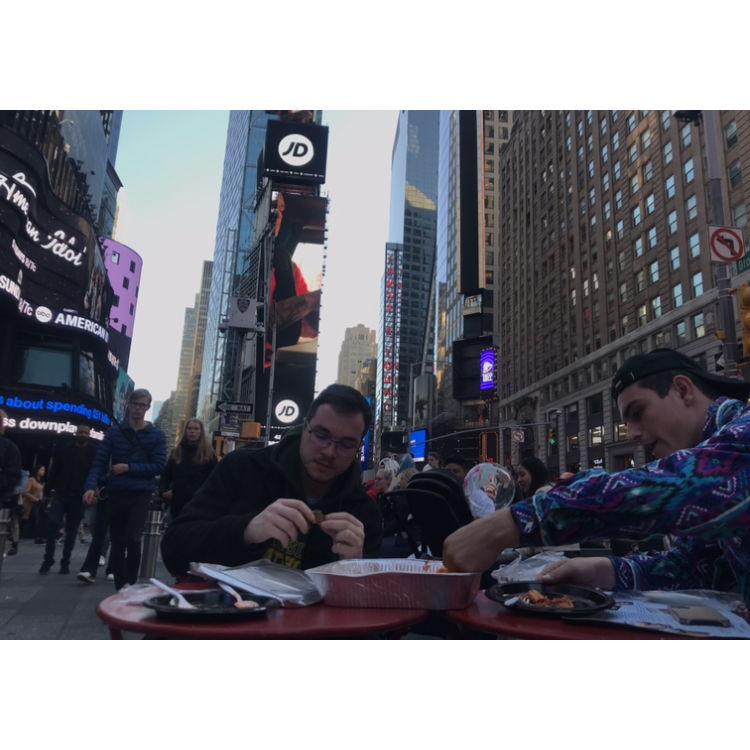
(54, 606)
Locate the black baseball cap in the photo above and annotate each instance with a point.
(660, 360)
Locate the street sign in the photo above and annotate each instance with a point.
(236, 407)
(726, 243)
(518, 436)
(743, 263)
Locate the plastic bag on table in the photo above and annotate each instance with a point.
(526, 569)
(291, 588)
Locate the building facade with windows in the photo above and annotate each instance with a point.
(603, 222)
(358, 348)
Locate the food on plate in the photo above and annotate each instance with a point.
(319, 516)
(246, 604)
(537, 599)
(442, 569)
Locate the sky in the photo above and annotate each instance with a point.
(171, 166)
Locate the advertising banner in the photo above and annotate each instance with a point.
(50, 261)
(295, 152)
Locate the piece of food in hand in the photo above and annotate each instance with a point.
(319, 516)
(537, 599)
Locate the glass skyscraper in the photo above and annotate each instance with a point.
(234, 232)
(410, 256)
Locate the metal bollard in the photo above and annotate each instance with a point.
(151, 539)
(4, 531)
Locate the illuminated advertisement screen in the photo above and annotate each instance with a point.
(487, 370)
(295, 152)
(51, 268)
(418, 444)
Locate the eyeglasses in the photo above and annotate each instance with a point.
(322, 439)
(140, 404)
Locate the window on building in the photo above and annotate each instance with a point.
(730, 134)
(688, 169)
(620, 229)
(677, 295)
(735, 173)
(592, 197)
(605, 181)
(636, 216)
(695, 245)
(669, 187)
(585, 287)
(697, 282)
(640, 280)
(667, 153)
(115, 258)
(617, 169)
(681, 332)
(648, 170)
(674, 258)
(634, 184)
(607, 209)
(653, 271)
(591, 168)
(624, 324)
(573, 297)
(699, 325)
(596, 436)
(642, 315)
(603, 125)
(650, 204)
(605, 153)
(652, 238)
(125, 282)
(615, 140)
(623, 292)
(656, 307)
(739, 216)
(686, 135)
(631, 121)
(618, 199)
(638, 247)
(666, 119)
(691, 207)
(621, 260)
(672, 222)
(132, 266)
(645, 139)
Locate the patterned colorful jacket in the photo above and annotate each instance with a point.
(700, 495)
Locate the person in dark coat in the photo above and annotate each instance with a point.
(188, 467)
(10, 476)
(71, 463)
(260, 504)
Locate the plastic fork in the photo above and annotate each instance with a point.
(182, 602)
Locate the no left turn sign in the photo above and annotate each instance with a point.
(727, 244)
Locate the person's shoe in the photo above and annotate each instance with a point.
(45, 569)
(13, 549)
(64, 570)
(102, 561)
(110, 576)
(85, 577)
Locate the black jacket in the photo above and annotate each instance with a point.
(184, 479)
(10, 470)
(70, 467)
(211, 527)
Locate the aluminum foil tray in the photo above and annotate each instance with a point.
(394, 583)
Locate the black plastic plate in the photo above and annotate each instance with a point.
(213, 604)
(586, 601)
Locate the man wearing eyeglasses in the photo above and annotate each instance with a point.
(263, 504)
(131, 456)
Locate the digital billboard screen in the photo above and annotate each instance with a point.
(418, 444)
(295, 152)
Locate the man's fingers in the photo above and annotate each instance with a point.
(282, 527)
(558, 572)
(292, 515)
(298, 505)
(552, 566)
(333, 526)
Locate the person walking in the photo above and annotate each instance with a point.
(71, 463)
(188, 467)
(32, 504)
(136, 451)
(10, 476)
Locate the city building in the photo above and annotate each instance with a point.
(409, 267)
(235, 228)
(359, 346)
(184, 373)
(191, 404)
(56, 365)
(603, 219)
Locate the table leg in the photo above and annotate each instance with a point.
(115, 634)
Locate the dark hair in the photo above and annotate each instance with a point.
(538, 471)
(343, 399)
(456, 459)
(437, 455)
(661, 382)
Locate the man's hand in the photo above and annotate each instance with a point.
(348, 534)
(474, 548)
(284, 520)
(120, 469)
(168, 495)
(581, 571)
(89, 497)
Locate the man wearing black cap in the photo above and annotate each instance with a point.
(697, 424)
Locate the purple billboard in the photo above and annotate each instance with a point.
(487, 363)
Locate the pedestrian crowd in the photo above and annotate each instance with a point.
(303, 502)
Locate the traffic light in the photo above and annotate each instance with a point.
(552, 437)
(743, 297)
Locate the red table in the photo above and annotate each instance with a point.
(486, 616)
(122, 612)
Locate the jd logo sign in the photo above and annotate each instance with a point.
(296, 150)
(286, 411)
